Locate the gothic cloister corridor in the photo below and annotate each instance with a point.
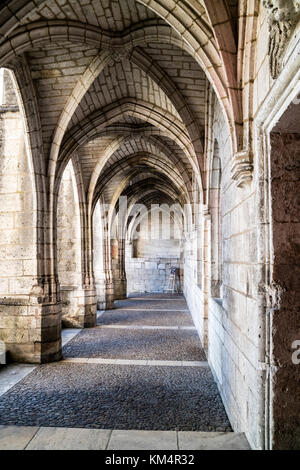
(129, 373)
(149, 223)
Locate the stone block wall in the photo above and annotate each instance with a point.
(98, 261)
(69, 251)
(78, 304)
(192, 288)
(155, 248)
(230, 327)
(151, 274)
(17, 215)
(20, 323)
(30, 331)
(285, 288)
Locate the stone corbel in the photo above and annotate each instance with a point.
(242, 168)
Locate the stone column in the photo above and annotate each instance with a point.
(77, 288)
(108, 283)
(31, 327)
(30, 309)
(118, 268)
(98, 257)
(206, 275)
(123, 280)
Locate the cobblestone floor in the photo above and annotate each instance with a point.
(177, 345)
(116, 397)
(145, 317)
(140, 397)
(177, 304)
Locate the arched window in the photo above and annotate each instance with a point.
(18, 226)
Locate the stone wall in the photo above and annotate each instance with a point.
(149, 258)
(193, 288)
(98, 258)
(78, 304)
(19, 322)
(151, 274)
(69, 248)
(230, 326)
(285, 304)
(141, 119)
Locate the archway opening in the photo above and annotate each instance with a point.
(18, 232)
(69, 250)
(154, 250)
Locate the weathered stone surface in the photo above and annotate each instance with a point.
(163, 103)
(212, 441)
(143, 440)
(16, 438)
(69, 439)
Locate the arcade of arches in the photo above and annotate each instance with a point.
(190, 104)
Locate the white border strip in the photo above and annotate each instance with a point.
(132, 362)
(145, 327)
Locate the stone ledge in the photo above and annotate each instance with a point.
(54, 438)
(9, 109)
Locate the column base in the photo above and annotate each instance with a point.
(79, 307)
(109, 294)
(30, 331)
(120, 289)
(109, 302)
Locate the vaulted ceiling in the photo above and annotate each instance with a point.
(116, 86)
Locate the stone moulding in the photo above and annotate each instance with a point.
(241, 168)
(8, 109)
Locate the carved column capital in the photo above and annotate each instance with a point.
(242, 167)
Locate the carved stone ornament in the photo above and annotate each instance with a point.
(274, 293)
(241, 168)
(283, 18)
(120, 53)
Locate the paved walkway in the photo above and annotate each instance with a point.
(49, 438)
(139, 380)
